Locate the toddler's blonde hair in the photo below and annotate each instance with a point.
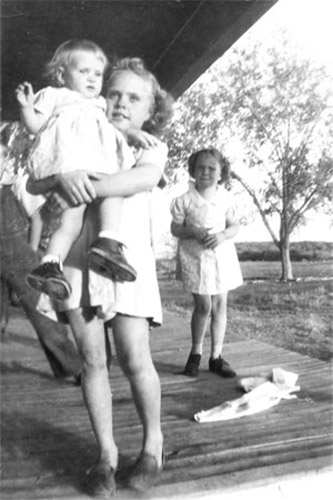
(63, 56)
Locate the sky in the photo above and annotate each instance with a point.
(311, 23)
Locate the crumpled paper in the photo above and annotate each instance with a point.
(264, 393)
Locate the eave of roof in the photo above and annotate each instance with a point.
(178, 39)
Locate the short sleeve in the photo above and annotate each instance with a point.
(125, 156)
(178, 210)
(157, 155)
(46, 101)
(232, 206)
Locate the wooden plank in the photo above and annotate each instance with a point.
(47, 441)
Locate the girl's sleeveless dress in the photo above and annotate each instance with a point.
(140, 298)
(76, 136)
(205, 271)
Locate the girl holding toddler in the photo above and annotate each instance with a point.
(135, 101)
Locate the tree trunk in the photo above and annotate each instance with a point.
(287, 272)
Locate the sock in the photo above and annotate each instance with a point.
(216, 351)
(51, 258)
(111, 235)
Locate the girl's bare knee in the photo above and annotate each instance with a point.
(219, 304)
(94, 360)
(202, 304)
(132, 366)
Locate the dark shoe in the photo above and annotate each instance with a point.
(99, 481)
(107, 258)
(49, 278)
(221, 367)
(146, 473)
(192, 365)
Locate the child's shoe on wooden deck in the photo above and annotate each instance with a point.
(192, 365)
(221, 367)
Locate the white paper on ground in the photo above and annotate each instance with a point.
(265, 395)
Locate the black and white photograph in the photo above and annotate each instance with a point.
(166, 249)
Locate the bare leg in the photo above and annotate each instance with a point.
(218, 323)
(107, 255)
(218, 326)
(63, 238)
(35, 233)
(90, 337)
(110, 214)
(131, 337)
(201, 312)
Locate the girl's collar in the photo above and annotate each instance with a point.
(198, 199)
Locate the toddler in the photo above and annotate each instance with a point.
(72, 134)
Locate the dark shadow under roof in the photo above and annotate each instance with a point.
(178, 39)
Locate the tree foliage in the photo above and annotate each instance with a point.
(269, 108)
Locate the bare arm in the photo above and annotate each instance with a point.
(203, 235)
(183, 231)
(128, 182)
(143, 177)
(76, 187)
(42, 186)
(32, 119)
(83, 187)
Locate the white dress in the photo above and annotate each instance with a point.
(205, 271)
(76, 136)
(139, 298)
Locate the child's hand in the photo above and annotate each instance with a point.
(77, 186)
(213, 240)
(25, 95)
(200, 233)
(137, 137)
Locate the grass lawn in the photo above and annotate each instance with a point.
(297, 315)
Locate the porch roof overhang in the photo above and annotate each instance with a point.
(178, 39)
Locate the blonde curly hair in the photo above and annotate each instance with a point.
(63, 57)
(163, 101)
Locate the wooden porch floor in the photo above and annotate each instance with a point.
(47, 442)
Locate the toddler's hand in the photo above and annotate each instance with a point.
(25, 95)
(137, 137)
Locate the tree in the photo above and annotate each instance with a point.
(269, 107)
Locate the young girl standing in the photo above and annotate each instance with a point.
(204, 222)
(73, 134)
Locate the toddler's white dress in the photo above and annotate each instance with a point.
(76, 135)
(139, 298)
(205, 271)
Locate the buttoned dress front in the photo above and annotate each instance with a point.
(205, 271)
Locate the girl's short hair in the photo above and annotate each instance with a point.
(219, 157)
(63, 56)
(163, 102)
